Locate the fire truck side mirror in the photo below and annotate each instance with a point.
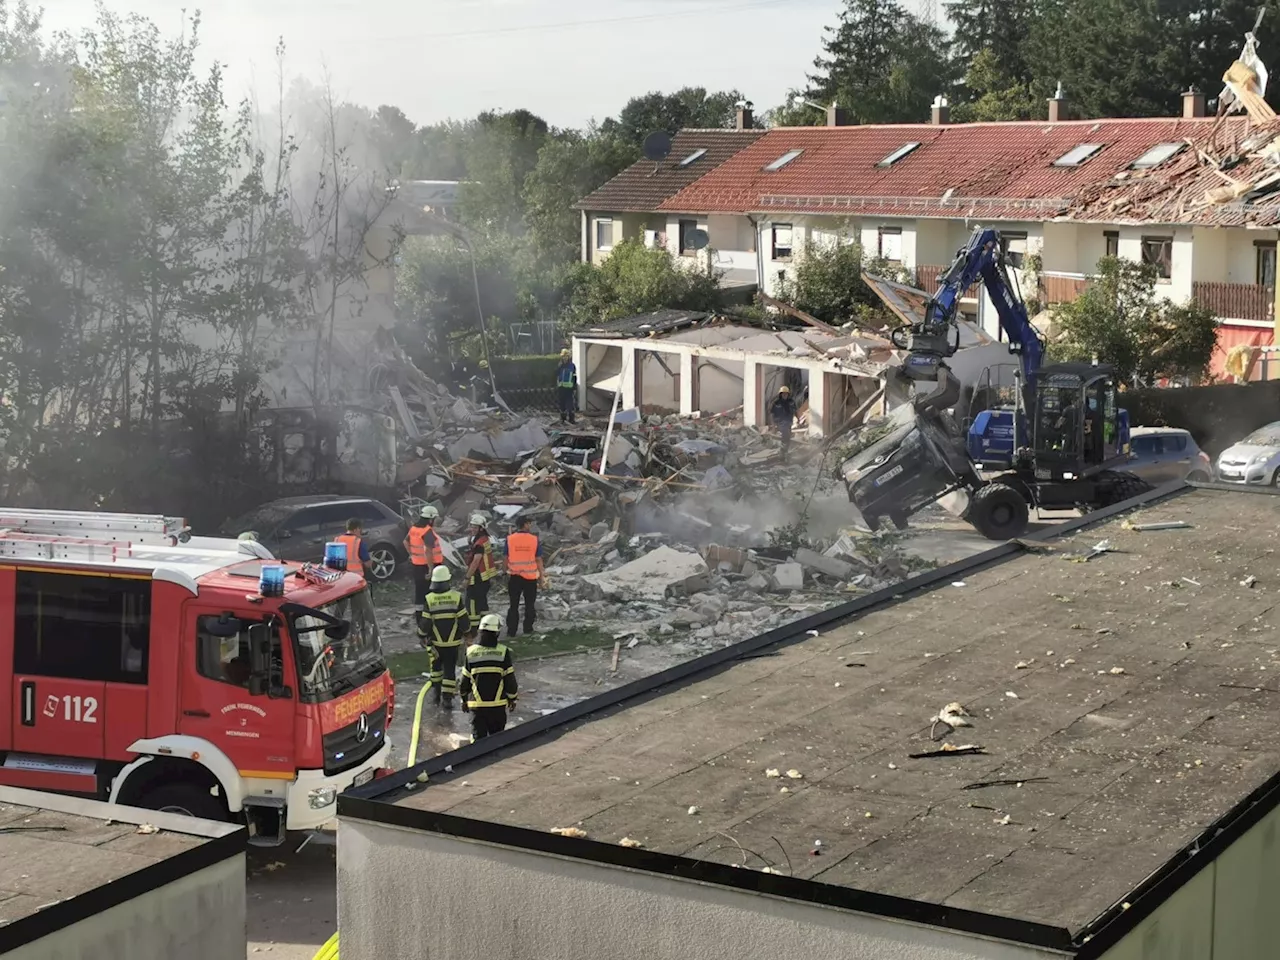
(259, 658)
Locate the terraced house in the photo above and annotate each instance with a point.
(1197, 196)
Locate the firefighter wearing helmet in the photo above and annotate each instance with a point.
(480, 570)
(782, 412)
(423, 546)
(442, 623)
(489, 686)
(567, 388)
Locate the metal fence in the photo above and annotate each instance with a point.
(534, 339)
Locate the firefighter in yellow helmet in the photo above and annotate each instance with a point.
(489, 686)
(481, 569)
(442, 624)
(782, 414)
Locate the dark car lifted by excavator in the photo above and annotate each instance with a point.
(1058, 443)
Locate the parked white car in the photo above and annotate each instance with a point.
(1255, 459)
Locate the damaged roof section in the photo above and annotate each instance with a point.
(1007, 170)
(849, 351)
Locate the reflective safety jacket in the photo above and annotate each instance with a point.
(353, 544)
(424, 547)
(488, 676)
(522, 555)
(447, 614)
(567, 375)
(481, 546)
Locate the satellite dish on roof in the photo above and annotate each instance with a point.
(697, 239)
(657, 146)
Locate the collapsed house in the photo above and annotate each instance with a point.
(694, 364)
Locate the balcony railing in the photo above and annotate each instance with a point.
(1236, 301)
(927, 279)
(1061, 289)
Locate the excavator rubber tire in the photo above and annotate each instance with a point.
(1121, 486)
(998, 511)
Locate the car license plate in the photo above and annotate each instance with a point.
(1042, 473)
(363, 778)
(888, 475)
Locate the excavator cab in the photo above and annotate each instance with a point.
(1078, 429)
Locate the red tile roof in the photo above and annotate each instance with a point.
(644, 185)
(999, 170)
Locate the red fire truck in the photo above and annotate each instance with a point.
(147, 667)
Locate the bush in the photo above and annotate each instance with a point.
(1121, 321)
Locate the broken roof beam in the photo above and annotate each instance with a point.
(800, 315)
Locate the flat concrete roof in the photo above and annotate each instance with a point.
(63, 859)
(1123, 706)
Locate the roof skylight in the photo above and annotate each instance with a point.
(783, 160)
(691, 158)
(1077, 155)
(1156, 155)
(897, 155)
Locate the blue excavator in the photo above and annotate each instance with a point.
(1058, 440)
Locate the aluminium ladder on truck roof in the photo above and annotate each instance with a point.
(120, 529)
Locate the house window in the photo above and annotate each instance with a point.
(1158, 251)
(891, 244)
(782, 241)
(783, 160)
(81, 627)
(1077, 155)
(1111, 240)
(686, 237)
(1015, 248)
(604, 233)
(1265, 257)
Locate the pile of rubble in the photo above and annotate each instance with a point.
(662, 525)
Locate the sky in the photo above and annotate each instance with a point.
(568, 61)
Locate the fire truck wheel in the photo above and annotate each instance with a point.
(188, 799)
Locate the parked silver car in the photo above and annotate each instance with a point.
(1162, 454)
(1255, 459)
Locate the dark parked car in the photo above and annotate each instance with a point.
(297, 528)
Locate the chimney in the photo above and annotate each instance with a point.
(1058, 105)
(745, 119)
(837, 116)
(940, 113)
(1193, 104)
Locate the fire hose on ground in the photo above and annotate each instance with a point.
(329, 951)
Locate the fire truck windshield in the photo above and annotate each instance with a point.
(328, 668)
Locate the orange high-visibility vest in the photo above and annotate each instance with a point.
(522, 555)
(352, 543)
(418, 553)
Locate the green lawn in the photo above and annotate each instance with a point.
(405, 666)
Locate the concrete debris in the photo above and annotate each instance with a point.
(788, 576)
(633, 844)
(575, 832)
(682, 530)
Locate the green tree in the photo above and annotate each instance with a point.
(686, 109)
(502, 153)
(882, 63)
(826, 282)
(1126, 58)
(635, 279)
(1121, 321)
(999, 28)
(991, 93)
(569, 167)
